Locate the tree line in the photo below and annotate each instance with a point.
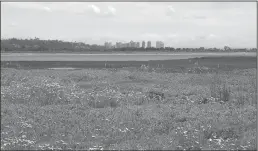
(38, 45)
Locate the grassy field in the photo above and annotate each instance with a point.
(129, 108)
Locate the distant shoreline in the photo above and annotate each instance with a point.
(122, 52)
(226, 62)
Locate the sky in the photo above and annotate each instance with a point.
(177, 24)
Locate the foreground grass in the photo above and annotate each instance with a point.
(127, 109)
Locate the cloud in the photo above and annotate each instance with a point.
(205, 37)
(151, 36)
(142, 5)
(212, 36)
(199, 17)
(186, 16)
(110, 12)
(110, 35)
(190, 16)
(170, 10)
(13, 24)
(71, 7)
(172, 36)
(94, 8)
(47, 9)
(106, 11)
(29, 5)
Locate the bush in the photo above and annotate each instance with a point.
(219, 91)
(103, 102)
(156, 95)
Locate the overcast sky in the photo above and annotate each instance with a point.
(185, 24)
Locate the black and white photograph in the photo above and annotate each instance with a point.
(129, 75)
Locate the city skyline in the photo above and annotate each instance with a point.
(133, 44)
(210, 24)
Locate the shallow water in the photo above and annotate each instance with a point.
(65, 68)
(109, 57)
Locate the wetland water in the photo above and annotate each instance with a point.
(111, 57)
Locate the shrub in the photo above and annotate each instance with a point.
(224, 93)
(159, 96)
(103, 102)
(219, 91)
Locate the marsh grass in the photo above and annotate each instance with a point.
(42, 109)
(219, 89)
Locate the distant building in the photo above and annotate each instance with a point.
(143, 44)
(108, 45)
(118, 45)
(133, 44)
(162, 45)
(124, 45)
(159, 44)
(138, 45)
(149, 44)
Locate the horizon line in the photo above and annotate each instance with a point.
(80, 41)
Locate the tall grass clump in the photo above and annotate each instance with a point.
(144, 68)
(219, 90)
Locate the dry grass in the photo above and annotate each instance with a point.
(139, 109)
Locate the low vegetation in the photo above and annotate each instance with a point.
(128, 109)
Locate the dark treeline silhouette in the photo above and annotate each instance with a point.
(37, 45)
